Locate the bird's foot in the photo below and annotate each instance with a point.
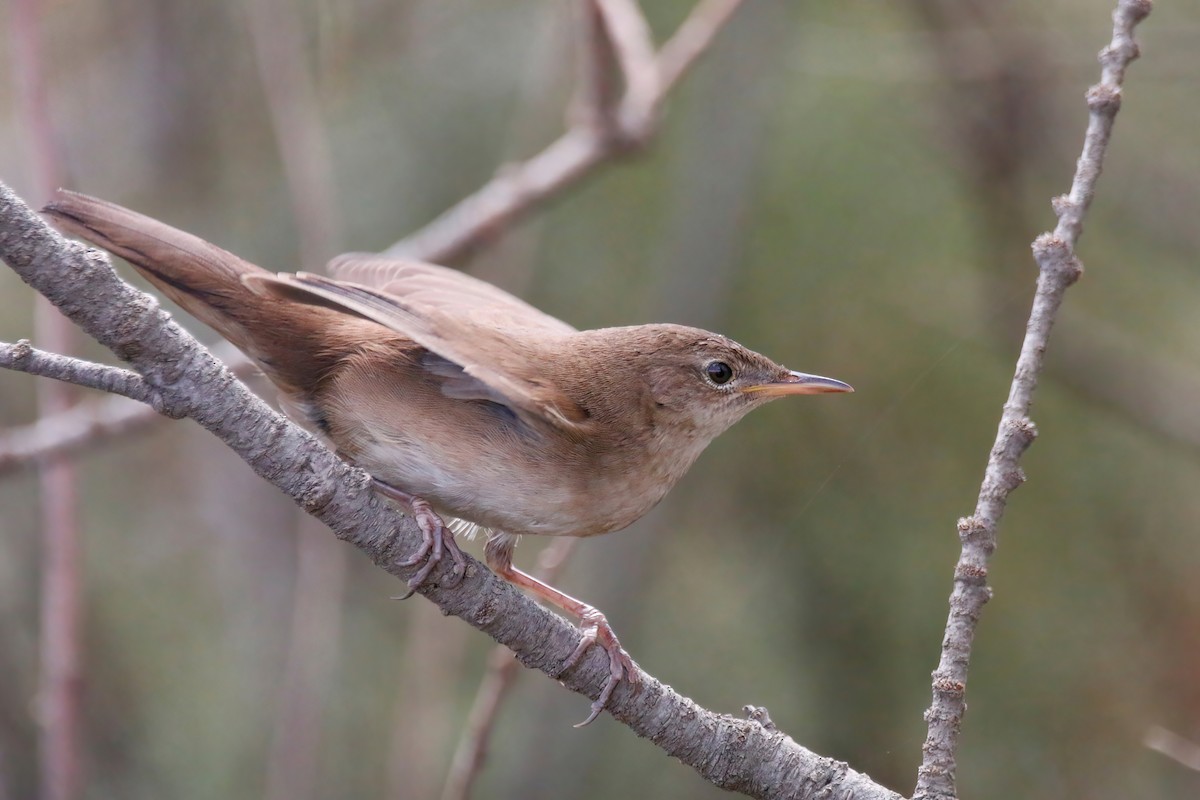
(436, 540)
(597, 631)
(595, 627)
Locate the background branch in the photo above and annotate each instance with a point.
(518, 188)
(88, 422)
(497, 682)
(313, 650)
(1182, 751)
(60, 683)
(93, 420)
(632, 44)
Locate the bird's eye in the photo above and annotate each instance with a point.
(719, 372)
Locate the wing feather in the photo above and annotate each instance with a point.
(489, 346)
(430, 286)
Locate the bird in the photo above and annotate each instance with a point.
(463, 402)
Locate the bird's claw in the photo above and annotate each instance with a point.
(597, 631)
(436, 539)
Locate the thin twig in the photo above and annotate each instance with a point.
(24, 357)
(679, 53)
(299, 130)
(1059, 268)
(596, 82)
(92, 421)
(501, 673)
(1182, 751)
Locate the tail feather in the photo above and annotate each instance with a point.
(295, 344)
(205, 280)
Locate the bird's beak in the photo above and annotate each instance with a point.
(800, 383)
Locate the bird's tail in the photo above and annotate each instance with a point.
(294, 343)
(205, 280)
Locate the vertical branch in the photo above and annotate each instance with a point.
(501, 673)
(312, 655)
(632, 45)
(596, 92)
(1059, 268)
(60, 683)
(296, 121)
(311, 662)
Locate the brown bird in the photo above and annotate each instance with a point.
(461, 400)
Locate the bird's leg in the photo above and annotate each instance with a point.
(435, 537)
(596, 629)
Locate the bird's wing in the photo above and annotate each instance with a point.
(490, 346)
(429, 286)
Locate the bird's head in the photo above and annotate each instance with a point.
(700, 382)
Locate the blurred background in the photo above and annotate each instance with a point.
(850, 188)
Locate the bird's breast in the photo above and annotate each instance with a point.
(508, 485)
(499, 477)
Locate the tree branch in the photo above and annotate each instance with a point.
(591, 140)
(1182, 751)
(91, 421)
(60, 627)
(694, 36)
(633, 47)
(735, 754)
(24, 357)
(87, 422)
(1059, 267)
